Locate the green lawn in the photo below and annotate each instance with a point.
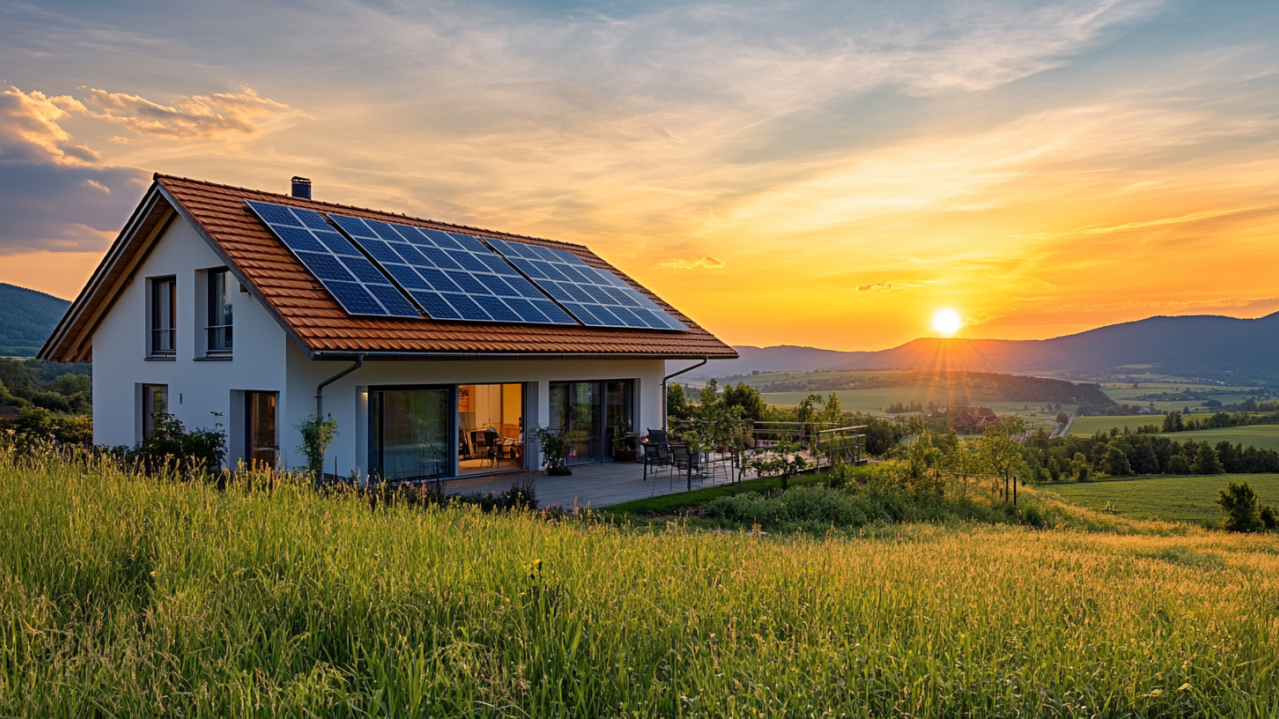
(1177, 499)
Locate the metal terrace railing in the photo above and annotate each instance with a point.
(840, 445)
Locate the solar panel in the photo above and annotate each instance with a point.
(451, 275)
(346, 273)
(596, 297)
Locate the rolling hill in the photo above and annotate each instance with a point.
(1208, 346)
(26, 319)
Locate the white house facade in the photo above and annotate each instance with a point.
(202, 311)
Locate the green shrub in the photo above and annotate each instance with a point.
(317, 435)
(1268, 519)
(1239, 503)
(172, 445)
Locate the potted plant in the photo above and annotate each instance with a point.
(554, 448)
(624, 447)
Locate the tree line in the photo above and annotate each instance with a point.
(1176, 421)
(53, 386)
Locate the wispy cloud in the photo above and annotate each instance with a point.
(693, 263)
(204, 117)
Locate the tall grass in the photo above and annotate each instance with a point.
(127, 596)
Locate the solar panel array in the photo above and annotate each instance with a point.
(347, 274)
(596, 297)
(453, 276)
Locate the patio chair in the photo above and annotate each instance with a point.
(658, 436)
(655, 456)
(686, 461)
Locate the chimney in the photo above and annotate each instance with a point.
(301, 188)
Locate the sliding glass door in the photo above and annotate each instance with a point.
(490, 424)
(589, 413)
(411, 433)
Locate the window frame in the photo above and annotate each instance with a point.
(155, 298)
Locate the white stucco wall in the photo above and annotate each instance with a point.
(346, 399)
(196, 388)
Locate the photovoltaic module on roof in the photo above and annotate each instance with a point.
(596, 297)
(358, 286)
(452, 275)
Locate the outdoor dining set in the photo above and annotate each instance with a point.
(662, 456)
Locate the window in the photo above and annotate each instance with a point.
(164, 317)
(219, 327)
(155, 403)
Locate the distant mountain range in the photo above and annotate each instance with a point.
(27, 317)
(1204, 346)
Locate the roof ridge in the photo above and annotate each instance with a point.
(157, 176)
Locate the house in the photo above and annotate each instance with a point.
(974, 420)
(268, 309)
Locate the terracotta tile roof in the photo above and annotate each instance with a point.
(311, 315)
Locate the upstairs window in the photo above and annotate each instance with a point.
(164, 317)
(219, 327)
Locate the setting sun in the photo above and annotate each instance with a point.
(947, 322)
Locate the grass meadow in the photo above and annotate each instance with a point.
(1172, 499)
(126, 596)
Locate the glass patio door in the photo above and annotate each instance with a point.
(587, 413)
(411, 434)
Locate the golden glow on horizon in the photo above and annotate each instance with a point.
(947, 322)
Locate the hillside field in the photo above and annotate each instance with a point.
(1172, 499)
(903, 387)
(1088, 426)
(128, 596)
(873, 401)
(1262, 436)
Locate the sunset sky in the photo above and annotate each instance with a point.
(825, 174)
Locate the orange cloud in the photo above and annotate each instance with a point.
(705, 263)
(203, 117)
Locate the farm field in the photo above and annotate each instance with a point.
(1260, 436)
(1088, 426)
(146, 597)
(1125, 393)
(1173, 499)
(875, 401)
